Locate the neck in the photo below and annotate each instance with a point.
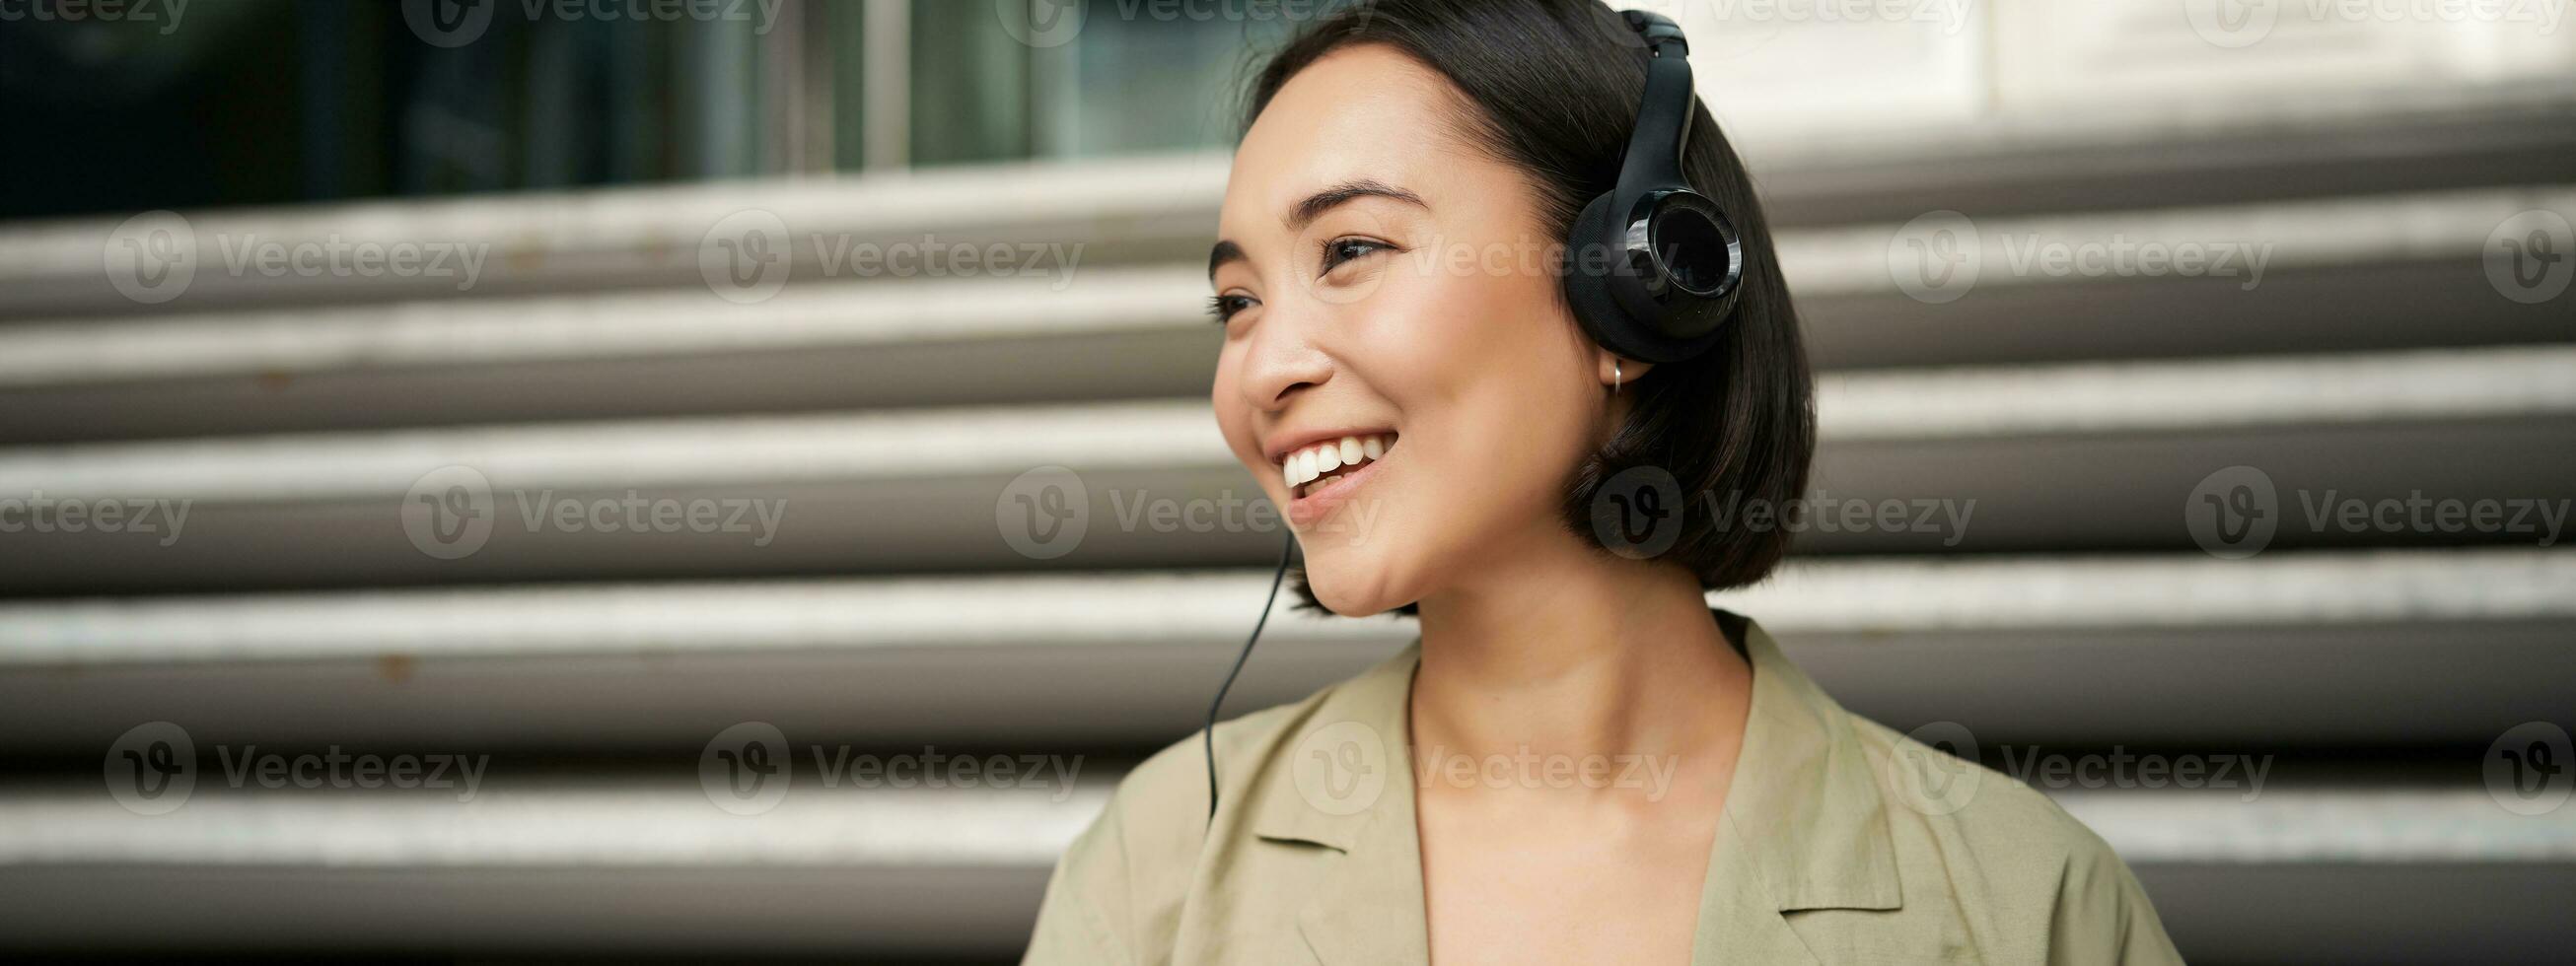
(1568, 651)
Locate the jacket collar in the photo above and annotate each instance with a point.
(1805, 825)
(1804, 795)
(1345, 782)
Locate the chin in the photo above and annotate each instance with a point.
(1351, 584)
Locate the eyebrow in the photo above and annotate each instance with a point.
(1305, 212)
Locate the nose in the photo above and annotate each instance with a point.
(1282, 362)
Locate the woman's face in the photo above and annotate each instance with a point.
(1387, 279)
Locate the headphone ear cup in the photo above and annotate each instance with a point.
(1591, 270)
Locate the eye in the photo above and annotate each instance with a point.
(1341, 250)
(1224, 307)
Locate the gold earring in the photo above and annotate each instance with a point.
(1615, 376)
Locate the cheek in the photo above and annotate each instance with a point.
(1494, 375)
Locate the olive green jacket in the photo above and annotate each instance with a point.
(1841, 842)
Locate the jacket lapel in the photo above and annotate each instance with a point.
(1805, 826)
(1347, 785)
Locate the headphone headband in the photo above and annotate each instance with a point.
(1654, 154)
(1653, 265)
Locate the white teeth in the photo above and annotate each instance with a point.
(1304, 466)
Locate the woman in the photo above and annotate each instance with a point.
(1578, 760)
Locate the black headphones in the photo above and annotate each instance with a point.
(1652, 267)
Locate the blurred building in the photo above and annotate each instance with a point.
(540, 479)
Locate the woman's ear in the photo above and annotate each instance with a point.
(1617, 371)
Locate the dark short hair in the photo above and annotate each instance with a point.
(1553, 87)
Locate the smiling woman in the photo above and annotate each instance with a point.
(1493, 282)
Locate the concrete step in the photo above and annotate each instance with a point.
(2454, 645)
(2103, 457)
(651, 865)
(2307, 276)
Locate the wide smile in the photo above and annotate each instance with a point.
(1321, 475)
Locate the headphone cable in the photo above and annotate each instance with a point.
(1209, 734)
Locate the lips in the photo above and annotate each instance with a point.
(1324, 474)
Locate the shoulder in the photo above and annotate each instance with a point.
(1117, 894)
(1930, 787)
(2011, 853)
